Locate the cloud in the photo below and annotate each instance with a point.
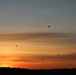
(18, 58)
(40, 38)
(38, 58)
(71, 56)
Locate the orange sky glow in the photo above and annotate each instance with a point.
(37, 51)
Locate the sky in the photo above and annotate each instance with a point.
(25, 23)
(36, 15)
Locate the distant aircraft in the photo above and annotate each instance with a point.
(42, 59)
(48, 26)
(16, 45)
(58, 54)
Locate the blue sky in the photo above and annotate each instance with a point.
(35, 15)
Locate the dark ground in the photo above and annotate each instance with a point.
(19, 71)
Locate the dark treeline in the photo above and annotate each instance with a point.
(22, 71)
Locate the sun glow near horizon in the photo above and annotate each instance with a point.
(4, 65)
(32, 48)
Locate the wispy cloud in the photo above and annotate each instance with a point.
(71, 56)
(38, 58)
(40, 37)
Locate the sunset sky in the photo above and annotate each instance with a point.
(25, 23)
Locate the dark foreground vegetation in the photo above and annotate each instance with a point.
(19, 71)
